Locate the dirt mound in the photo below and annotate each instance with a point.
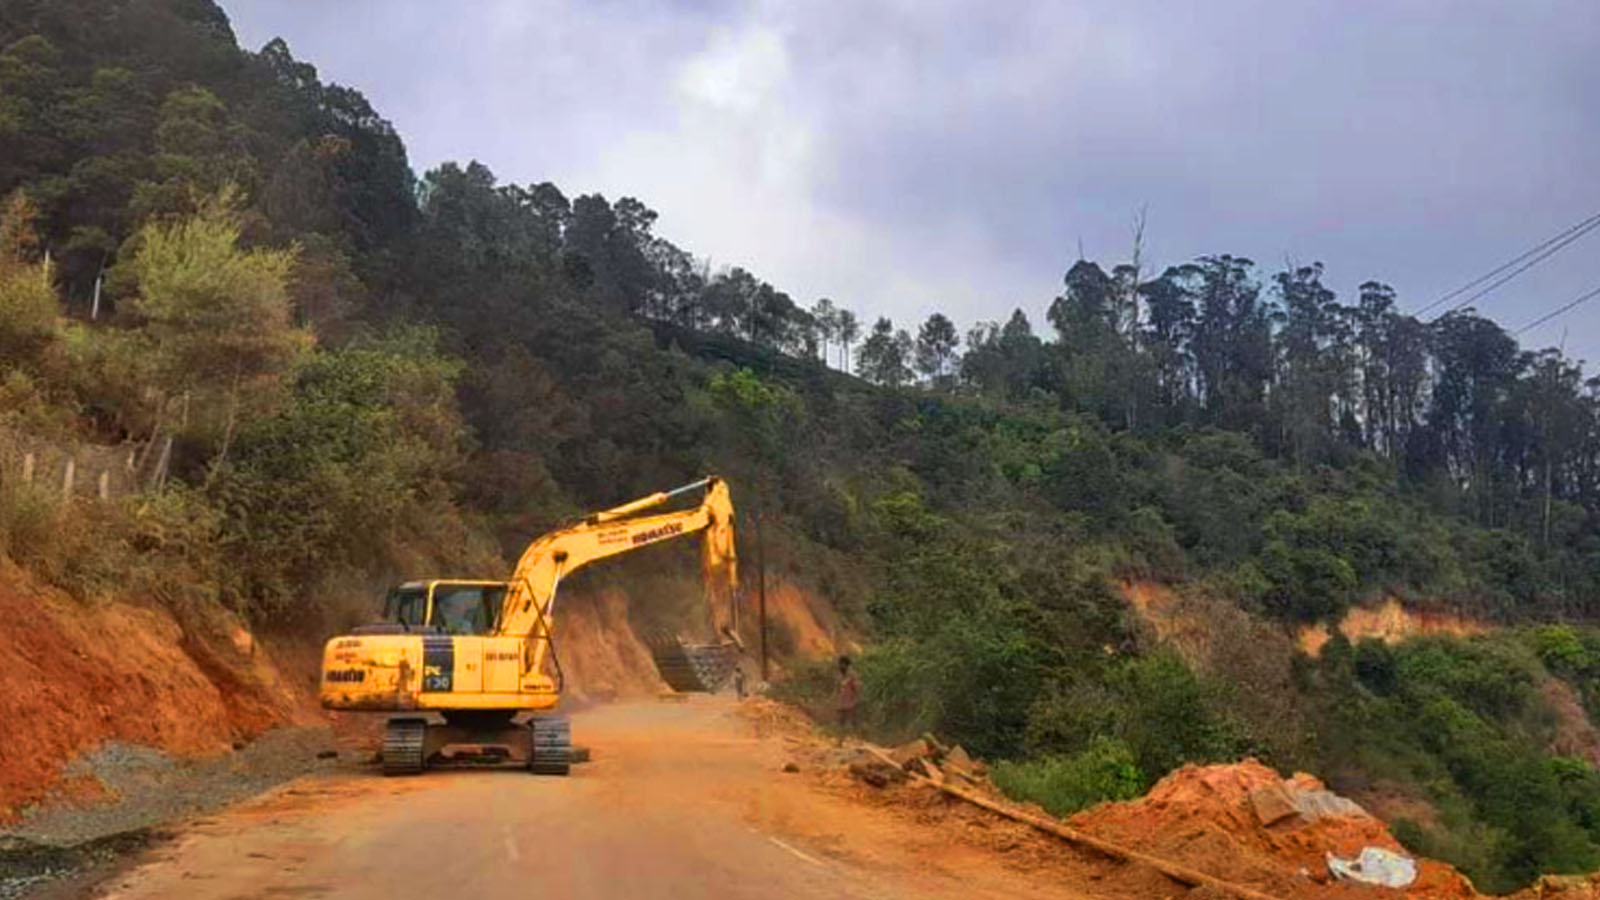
(75, 675)
(1390, 622)
(1562, 887)
(1244, 824)
(769, 717)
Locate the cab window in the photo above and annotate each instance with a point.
(494, 597)
(408, 606)
(462, 609)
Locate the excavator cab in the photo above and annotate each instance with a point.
(445, 607)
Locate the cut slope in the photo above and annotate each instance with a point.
(802, 624)
(600, 655)
(1390, 622)
(73, 676)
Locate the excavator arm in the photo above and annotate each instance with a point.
(529, 606)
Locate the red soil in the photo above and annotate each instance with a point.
(74, 675)
(1202, 817)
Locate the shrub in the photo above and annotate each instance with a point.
(1154, 705)
(1105, 770)
(1559, 648)
(30, 521)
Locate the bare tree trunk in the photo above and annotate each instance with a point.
(1132, 419)
(227, 429)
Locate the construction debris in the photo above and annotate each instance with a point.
(877, 768)
(926, 758)
(1237, 831)
(1272, 804)
(1375, 865)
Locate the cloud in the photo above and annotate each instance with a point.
(907, 155)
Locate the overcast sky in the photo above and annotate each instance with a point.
(902, 156)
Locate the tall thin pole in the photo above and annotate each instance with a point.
(761, 587)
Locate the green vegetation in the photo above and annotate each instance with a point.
(1104, 770)
(1466, 720)
(361, 374)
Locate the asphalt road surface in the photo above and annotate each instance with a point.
(682, 800)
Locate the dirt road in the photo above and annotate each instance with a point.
(682, 800)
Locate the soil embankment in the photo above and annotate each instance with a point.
(602, 657)
(75, 675)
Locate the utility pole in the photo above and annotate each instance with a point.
(761, 589)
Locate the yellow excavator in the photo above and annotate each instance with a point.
(482, 654)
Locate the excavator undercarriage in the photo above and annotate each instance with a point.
(541, 745)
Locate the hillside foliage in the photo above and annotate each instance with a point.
(363, 373)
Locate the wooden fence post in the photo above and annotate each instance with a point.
(27, 468)
(158, 478)
(66, 480)
(105, 485)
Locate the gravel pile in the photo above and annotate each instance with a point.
(149, 789)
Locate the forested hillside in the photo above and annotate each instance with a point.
(359, 373)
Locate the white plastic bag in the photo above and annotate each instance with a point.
(1377, 866)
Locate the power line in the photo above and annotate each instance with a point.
(1520, 269)
(1579, 301)
(1521, 263)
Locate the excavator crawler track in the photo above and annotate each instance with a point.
(551, 750)
(403, 746)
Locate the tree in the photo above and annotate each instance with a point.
(936, 347)
(202, 150)
(217, 318)
(1476, 365)
(1085, 314)
(1095, 365)
(1313, 370)
(826, 317)
(1005, 360)
(1232, 343)
(847, 330)
(28, 304)
(1167, 337)
(884, 355)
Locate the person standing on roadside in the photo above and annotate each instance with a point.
(849, 696)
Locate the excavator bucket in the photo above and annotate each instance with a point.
(693, 668)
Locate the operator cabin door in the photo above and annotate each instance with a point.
(453, 661)
(502, 656)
